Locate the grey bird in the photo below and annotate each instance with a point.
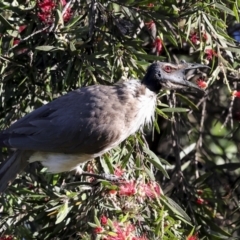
(88, 122)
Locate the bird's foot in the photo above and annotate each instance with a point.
(96, 180)
(104, 176)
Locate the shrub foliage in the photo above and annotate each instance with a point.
(181, 176)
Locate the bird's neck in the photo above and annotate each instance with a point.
(151, 84)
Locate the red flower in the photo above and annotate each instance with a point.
(103, 220)
(193, 237)
(138, 238)
(236, 94)
(21, 28)
(67, 15)
(90, 168)
(46, 11)
(210, 53)
(122, 232)
(118, 172)
(16, 41)
(199, 191)
(30, 186)
(127, 189)
(45, 17)
(194, 38)
(98, 230)
(129, 229)
(112, 192)
(46, 6)
(150, 5)
(150, 190)
(119, 233)
(201, 83)
(63, 2)
(200, 201)
(6, 237)
(158, 45)
(150, 24)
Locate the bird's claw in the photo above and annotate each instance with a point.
(104, 176)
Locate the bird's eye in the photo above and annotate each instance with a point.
(167, 69)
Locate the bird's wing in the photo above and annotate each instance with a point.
(87, 120)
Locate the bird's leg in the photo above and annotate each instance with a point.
(104, 176)
(95, 182)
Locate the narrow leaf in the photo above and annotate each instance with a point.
(63, 212)
(174, 109)
(45, 48)
(187, 101)
(155, 161)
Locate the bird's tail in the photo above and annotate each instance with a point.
(11, 167)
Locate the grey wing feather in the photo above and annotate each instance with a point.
(82, 121)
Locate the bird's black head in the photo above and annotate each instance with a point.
(173, 76)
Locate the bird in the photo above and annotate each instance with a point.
(87, 122)
(234, 31)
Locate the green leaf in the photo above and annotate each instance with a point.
(45, 48)
(209, 24)
(187, 101)
(93, 225)
(177, 209)
(62, 212)
(187, 150)
(235, 11)
(59, 18)
(149, 57)
(124, 218)
(175, 110)
(6, 23)
(224, 8)
(229, 166)
(232, 49)
(72, 47)
(218, 230)
(202, 178)
(156, 126)
(161, 113)
(97, 221)
(107, 164)
(155, 161)
(126, 158)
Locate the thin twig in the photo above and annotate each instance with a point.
(199, 142)
(174, 133)
(92, 17)
(29, 36)
(230, 111)
(225, 79)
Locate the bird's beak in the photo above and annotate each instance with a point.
(182, 75)
(190, 66)
(194, 72)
